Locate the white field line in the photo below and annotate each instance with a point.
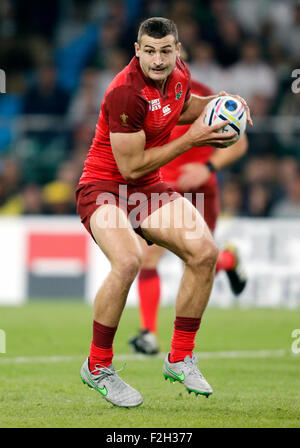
(139, 357)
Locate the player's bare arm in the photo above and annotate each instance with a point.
(134, 162)
(195, 105)
(220, 158)
(196, 174)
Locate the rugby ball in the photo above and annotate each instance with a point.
(227, 108)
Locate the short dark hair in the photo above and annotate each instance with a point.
(158, 27)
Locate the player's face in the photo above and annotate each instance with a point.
(157, 56)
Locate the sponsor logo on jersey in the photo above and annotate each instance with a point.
(178, 90)
(166, 109)
(154, 104)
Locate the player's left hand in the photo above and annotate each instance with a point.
(193, 176)
(249, 119)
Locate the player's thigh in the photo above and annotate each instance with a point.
(179, 227)
(115, 235)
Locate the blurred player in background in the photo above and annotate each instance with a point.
(192, 172)
(140, 108)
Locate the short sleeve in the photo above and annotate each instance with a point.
(126, 110)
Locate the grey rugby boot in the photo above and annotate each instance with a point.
(187, 373)
(110, 386)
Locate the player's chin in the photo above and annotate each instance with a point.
(159, 74)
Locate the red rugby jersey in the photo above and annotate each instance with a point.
(133, 102)
(172, 170)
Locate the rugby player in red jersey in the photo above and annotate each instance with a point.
(140, 108)
(192, 172)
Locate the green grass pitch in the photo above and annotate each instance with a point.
(46, 343)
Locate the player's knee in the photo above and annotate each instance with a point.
(204, 253)
(128, 265)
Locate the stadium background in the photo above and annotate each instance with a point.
(58, 57)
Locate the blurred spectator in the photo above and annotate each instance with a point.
(27, 202)
(252, 15)
(43, 145)
(10, 178)
(116, 61)
(10, 109)
(262, 170)
(204, 68)
(189, 33)
(289, 111)
(7, 19)
(227, 41)
(32, 201)
(181, 12)
(289, 207)
(68, 174)
(36, 18)
(290, 104)
(231, 198)
(222, 30)
(81, 141)
(59, 198)
(258, 200)
(289, 168)
(287, 32)
(85, 104)
(75, 17)
(109, 39)
(46, 96)
(253, 79)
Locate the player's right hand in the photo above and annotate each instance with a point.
(201, 134)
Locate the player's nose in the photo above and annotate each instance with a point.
(157, 59)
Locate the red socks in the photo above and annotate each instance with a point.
(226, 261)
(149, 295)
(101, 351)
(183, 341)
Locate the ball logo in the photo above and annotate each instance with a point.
(231, 105)
(178, 90)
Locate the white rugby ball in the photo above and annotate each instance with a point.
(227, 108)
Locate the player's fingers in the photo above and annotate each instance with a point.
(222, 136)
(216, 127)
(221, 144)
(249, 119)
(244, 103)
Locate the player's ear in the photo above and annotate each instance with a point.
(178, 48)
(137, 49)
